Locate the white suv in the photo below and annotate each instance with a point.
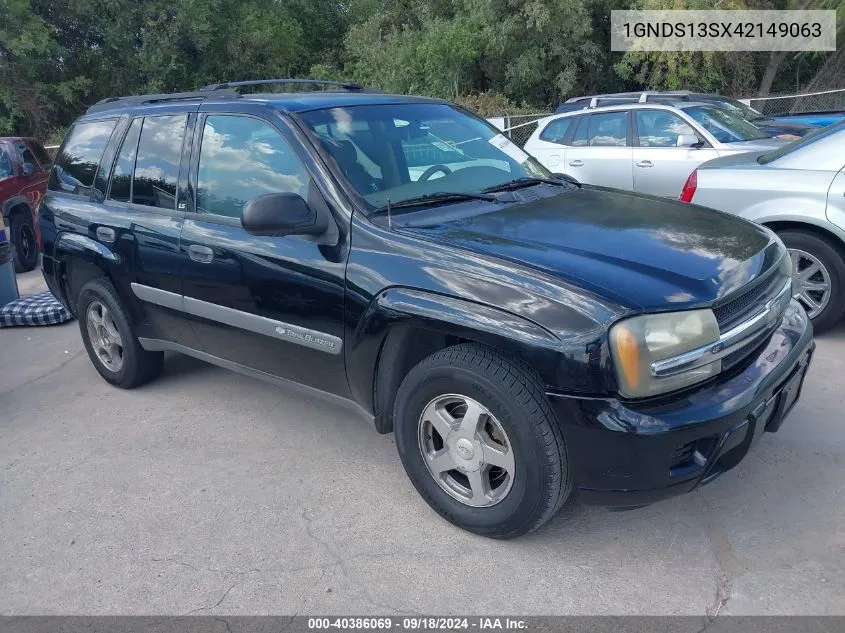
(644, 147)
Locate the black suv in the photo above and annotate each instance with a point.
(524, 336)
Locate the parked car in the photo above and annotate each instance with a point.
(780, 128)
(644, 147)
(24, 165)
(798, 191)
(823, 118)
(523, 336)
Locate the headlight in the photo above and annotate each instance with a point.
(638, 342)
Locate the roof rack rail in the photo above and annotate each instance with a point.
(599, 102)
(642, 96)
(346, 85)
(111, 103)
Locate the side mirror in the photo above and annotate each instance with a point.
(687, 140)
(28, 169)
(280, 214)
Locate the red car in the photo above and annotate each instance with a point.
(24, 168)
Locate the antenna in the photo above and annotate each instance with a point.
(389, 216)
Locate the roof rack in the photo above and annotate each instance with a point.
(641, 96)
(345, 85)
(111, 103)
(214, 91)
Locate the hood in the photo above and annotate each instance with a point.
(761, 145)
(639, 251)
(820, 119)
(775, 128)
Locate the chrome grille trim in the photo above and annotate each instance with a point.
(730, 341)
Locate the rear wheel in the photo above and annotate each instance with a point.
(480, 443)
(818, 277)
(23, 238)
(110, 339)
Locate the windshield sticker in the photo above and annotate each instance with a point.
(504, 143)
(444, 147)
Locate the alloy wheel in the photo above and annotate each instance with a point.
(27, 238)
(104, 337)
(466, 450)
(810, 282)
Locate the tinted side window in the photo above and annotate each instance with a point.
(658, 128)
(121, 180)
(609, 129)
(242, 158)
(6, 168)
(27, 157)
(41, 154)
(157, 161)
(581, 137)
(81, 152)
(556, 130)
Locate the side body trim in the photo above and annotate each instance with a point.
(244, 320)
(158, 345)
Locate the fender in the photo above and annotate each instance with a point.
(823, 224)
(14, 201)
(80, 246)
(414, 315)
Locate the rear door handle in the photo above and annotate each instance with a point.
(645, 163)
(200, 253)
(105, 234)
(575, 163)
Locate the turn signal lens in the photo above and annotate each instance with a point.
(637, 342)
(628, 351)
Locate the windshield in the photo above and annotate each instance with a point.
(738, 107)
(804, 141)
(726, 126)
(402, 151)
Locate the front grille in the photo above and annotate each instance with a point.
(736, 310)
(735, 358)
(746, 306)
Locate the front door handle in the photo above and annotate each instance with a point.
(105, 234)
(645, 163)
(575, 163)
(200, 253)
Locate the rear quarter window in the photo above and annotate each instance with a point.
(41, 154)
(555, 131)
(77, 160)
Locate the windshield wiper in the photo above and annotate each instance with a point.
(439, 197)
(520, 183)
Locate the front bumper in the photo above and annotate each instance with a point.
(626, 453)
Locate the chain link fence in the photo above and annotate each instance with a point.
(794, 104)
(518, 127)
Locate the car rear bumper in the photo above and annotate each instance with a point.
(636, 453)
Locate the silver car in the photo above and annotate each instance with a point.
(799, 192)
(644, 147)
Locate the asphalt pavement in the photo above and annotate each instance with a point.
(208, 492)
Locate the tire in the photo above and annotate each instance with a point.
(513, 396)
(136, 365)
(832, 268)
(23, 238)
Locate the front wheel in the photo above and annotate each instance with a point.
(480, 443)
(818, 277)
(23, 239)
